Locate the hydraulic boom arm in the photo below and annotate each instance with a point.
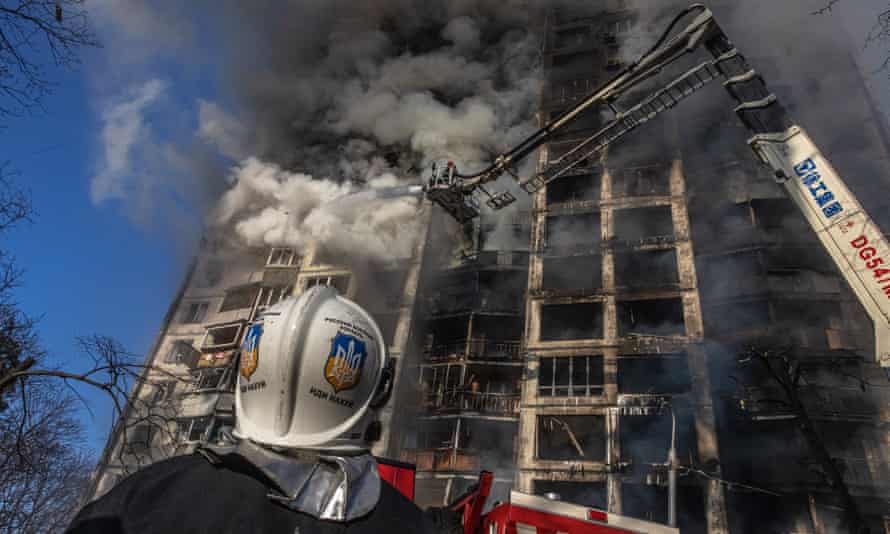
(854, 241)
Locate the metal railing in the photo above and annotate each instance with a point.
(490, 301)
(469, 401)
(487, 349)
(475, 348)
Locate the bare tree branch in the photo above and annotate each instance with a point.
(784, 369)
(30, 32)
(826, 9)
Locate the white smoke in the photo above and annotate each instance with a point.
(270, 206)
(123, 127)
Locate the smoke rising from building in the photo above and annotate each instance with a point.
(326, 90)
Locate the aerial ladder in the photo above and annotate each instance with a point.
(851, 237)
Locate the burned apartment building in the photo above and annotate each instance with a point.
(555, 343)
(653, 268)
(470, 362)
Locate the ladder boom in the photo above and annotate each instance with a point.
(851, 237)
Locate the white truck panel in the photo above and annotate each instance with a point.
(854, 241)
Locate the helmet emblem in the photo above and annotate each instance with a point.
(343, 369)
(250, 350)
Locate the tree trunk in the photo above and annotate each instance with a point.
(817, 448)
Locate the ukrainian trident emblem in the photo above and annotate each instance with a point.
(343, 369)
(250, 350)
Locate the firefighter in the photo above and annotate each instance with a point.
(313, 372)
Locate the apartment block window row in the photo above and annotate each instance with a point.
(282, 257)
(575, 376)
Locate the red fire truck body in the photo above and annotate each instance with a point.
(531, 514)
(523, 514)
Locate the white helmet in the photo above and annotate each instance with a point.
(313, 371)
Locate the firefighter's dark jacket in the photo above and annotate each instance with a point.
(188, 494)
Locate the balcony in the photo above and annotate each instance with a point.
(443, 459)
(475, 349)
(655, 241)
(474, 402)
(484, 301)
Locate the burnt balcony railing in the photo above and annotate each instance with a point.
(477, 402)
(489, 258)
(486, 301)
(443, 459)
(488, 349)
(475, 349)
(454, 350)
(649, 241)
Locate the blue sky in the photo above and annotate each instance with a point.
(88, 269)
(109, 261)
(107, 267)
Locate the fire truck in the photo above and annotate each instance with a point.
(523, 513)
(853, 240)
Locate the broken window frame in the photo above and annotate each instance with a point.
(589, 388)
(561, 422)
(229, 343)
